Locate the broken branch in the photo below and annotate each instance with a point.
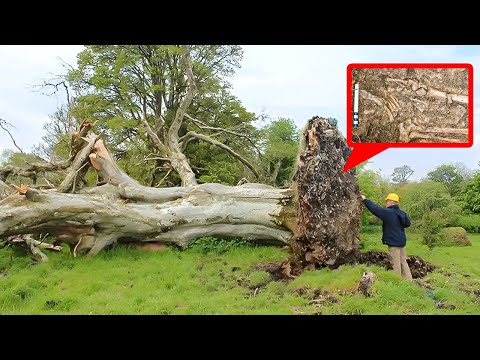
(224, 147)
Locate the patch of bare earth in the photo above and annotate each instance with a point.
(418, 267)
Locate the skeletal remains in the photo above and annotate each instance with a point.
(399, 93)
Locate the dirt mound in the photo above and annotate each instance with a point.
(418, 267)
(283, 271)
(454, 236)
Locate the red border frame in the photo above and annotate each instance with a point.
(349, 118)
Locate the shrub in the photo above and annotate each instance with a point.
(432, 223)
(418, 199)
(470, 222)
(454, 236)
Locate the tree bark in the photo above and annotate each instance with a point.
(319, 217)
(175, 215)
(5, 190)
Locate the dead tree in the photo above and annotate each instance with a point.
(123, 210)
(319, 217)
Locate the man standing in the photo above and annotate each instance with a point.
(394, 223)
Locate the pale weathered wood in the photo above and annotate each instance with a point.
(215, 210)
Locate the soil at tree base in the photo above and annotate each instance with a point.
(329, 209)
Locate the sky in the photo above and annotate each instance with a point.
(281, 81)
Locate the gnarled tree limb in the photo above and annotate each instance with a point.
(256, 213)
(2, 123)
(204, 126)
(222, 146)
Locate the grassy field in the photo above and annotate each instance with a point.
(198, 281)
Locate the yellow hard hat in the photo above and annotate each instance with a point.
(393, 197)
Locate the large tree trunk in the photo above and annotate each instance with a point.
(324, 214)
(124, 210)
(178, 215)
(319, 218)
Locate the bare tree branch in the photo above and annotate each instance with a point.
(5, 190)
(163, 179)
(157, 158)
(224, 147)
(33, 170)
(15, 170)
(151, 134)
(2, 123)
(192, 88)
(51, 166)
(204, 126)
(83, 142)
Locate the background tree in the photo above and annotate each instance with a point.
(153, 102)
(431, 209)
(55, 144)
(418, 199)
(374, 187)
(449, 176)
(279, 146)
(466, 173)
(471, 195)
(401, 174)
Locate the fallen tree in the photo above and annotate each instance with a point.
(92, 221)
(319, 217)
(123, 210)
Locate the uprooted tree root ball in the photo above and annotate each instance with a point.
(328, 208)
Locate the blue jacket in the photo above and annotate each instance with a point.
(394, 223)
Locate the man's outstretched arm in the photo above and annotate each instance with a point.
(375, 209)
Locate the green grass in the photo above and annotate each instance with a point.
(201, 280)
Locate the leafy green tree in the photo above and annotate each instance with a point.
(231, 126)
(449, 176)
(375, 188)
(430, 207)
(471, 195)
(279, 145)
(418, 199)
(225, 172)
(401, 174)
(159, 101)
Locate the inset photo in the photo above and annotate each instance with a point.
(410, 103)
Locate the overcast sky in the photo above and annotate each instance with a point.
(296, 82)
